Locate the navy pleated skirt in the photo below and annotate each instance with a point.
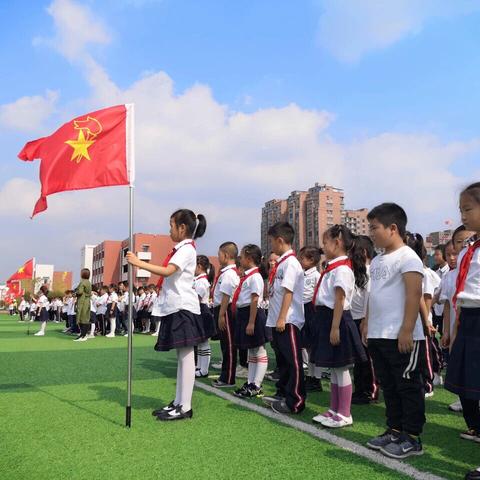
(180, 329)
(209, 324)
(308, 331)
(463, 371)
(261, 334)
(44, 315)
(323, 353)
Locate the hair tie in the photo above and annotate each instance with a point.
(196, 226)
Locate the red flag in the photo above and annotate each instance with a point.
(25, 271)
(14, 289)
(88, 152)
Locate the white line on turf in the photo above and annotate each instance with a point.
(353, 447)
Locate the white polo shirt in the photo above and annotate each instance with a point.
(227, 283)
(93, 303)
(177, 292)
(113, 297)
(340, 277)
(43, 302)
(201, 286)
(311, 277)
(470, 296)
(289, 276)
(252, 285)
(449, 284)
(102, 304)
(386, 304)
(358, 307)
(151, 301)
(441, 272)
(71, 306)
(141, 301)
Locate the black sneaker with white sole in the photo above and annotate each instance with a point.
(242, 391)
(389, 436)
(280, 407)
(168, 408)
(176, 414)
(405, 447)
(269, 399)
(471, 434)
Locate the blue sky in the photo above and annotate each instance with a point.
(384, 90)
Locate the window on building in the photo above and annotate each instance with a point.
(125, 268)
(145, 248)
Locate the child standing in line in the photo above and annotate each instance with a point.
(286, 318)
(336, 342)
(225, 284)
(42, 310)
(309, 258)
(112, 310)
(394, 332)
(463, 373)
(204, 276)
(364, 379)
(181, 325)
(250, 321)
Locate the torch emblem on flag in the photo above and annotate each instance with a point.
(88, 130)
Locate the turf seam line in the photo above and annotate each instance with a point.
(318, 433)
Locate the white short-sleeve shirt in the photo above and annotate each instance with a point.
(156, 307)
(386, 303)
(340, 277)
(43, 302)
(113, 298)
(311, 278)
(102, 301)
(441, 272)
(470, 296)
(254, 284)
(177, 292)
(226, 284)
(289, 276)
(93, 303)
(358, 307)
(201, 286)
(71, 306)
(151, 301)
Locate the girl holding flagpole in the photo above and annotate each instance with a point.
(181, 325)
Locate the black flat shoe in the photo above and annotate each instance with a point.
(473, 475)
(171, 406)
(175, 414)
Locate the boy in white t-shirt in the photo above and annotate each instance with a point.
(393, 327)
(286, 318)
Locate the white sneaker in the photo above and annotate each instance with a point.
(81, 339)
(39, 334)
(456, 406)
(125, 334)
(338, 421)
(90, 335)
(217, 366)
(437, 379)
(429, 394)
(323, 416)
(154, 334)
(110, 335)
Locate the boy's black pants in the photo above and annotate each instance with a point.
(401, 378)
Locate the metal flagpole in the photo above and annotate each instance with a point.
(131, 174)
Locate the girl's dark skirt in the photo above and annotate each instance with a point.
(463, 372)
(44, 315)
(111, 313)
(261, 334)
(307, 330)
(323, 353)
(209, 326)
(180, 329)
(93, 317)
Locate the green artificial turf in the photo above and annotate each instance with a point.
(62, 408)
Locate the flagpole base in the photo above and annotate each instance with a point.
(128, 417)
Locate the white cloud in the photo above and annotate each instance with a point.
(77, 27)
(28, 113)
(349, 29)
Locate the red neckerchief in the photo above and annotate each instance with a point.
(273, 271)
(236, 294)
(330, 267)
(463, 270)
(217, 278)
(169, 257)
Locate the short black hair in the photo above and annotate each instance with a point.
(229, 248)
(459, 229)
(441, 248)
(390, 214)
(282, 230)
(364, 242)
(311, 252)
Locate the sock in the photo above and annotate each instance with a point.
(252, 365)
(157, 326)
(305, 356)
(262, 365)
(311, 369)
(43, 327)
(333, 392)
(147, 327)
(344, 391)
(92, 329)
(186, 362)
(113, 325)
(318, 372)
(204, 354)
(178, 392)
